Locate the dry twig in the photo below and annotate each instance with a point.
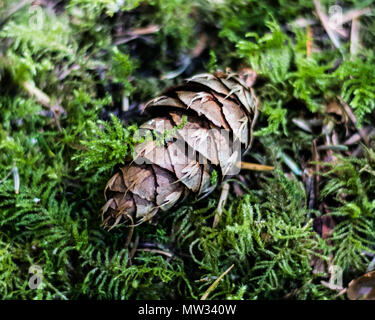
(222, 200)
(253, 166)
(326, 25)
(353, 119)
(44, 100)
(165, 253)
(354, 38)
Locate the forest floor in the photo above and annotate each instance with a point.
(74, 77)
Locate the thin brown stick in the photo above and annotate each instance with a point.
(134, 249)
(309, 42)
(38, 94)
(165, 253)
(325, 22)
(215, 283)
(353, 119)
(44, 100)
(354, 37)
(354, 14)
(130, 236)
(220, 206)
(253, 166)
(151, 28)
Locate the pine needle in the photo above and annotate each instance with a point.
(253, 166)
(215, 283)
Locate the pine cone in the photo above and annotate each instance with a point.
(206, 124)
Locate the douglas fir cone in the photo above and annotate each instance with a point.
(206, 125)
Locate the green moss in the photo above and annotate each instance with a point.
(352, 186)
